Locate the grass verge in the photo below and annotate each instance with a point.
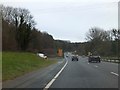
(110, 58)
(15, 64)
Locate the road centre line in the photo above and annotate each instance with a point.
(51, 82)
(114, 73)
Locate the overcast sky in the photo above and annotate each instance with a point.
(70, 19)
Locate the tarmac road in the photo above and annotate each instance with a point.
(76, 74)
(81, 74)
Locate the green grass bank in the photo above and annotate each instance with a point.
(15, 64)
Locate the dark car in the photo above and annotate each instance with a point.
(74, 58)
(66, 55)
(94, 59)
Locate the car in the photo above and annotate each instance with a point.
(66, 55)
(74, 58)
(42, 55)
(94, 59)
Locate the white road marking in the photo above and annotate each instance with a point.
(96, 66)
(88, 63)
(51, 82)
(60, 62)
(114, 73)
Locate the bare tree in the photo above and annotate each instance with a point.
(97, 34)
(98, 40)
(116, 34)
(23, 22)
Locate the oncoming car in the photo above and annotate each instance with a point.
(74, 58)
(94, 59)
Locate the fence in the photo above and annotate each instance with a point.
(111, 60)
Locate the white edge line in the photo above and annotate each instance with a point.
(114, 73)
(51, 82)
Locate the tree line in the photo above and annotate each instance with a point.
(20, 34)
(103, 42)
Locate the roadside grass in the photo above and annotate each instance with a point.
(15, 64)
(111, 58)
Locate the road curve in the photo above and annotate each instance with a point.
(81, 74)
(76, 74)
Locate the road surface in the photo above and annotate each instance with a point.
(81, 74)
(76, 74)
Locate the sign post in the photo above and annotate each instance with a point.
(60, 52)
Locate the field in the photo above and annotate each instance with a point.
(15, 64)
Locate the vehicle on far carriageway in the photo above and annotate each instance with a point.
(94, 59)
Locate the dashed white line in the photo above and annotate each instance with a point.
(96, 66)
(114, 73)
(51, 82)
